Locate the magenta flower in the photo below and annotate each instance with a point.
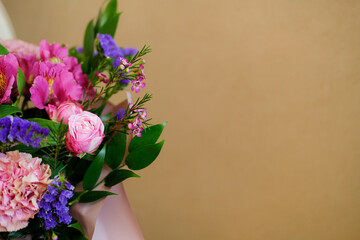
(53, 84)
(142, 113)
(26, 53)
(135, 126)
(57, 54)
(102, 77)
(54, 52)
(137, 84)
(8, 70)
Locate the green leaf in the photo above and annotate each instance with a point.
(97, 25)
(89, 39)
(20, 78)
(78, 227)
(149, 136)
(94, 195)
(3, 50)
(110, 26)
(109, 13)
(117, 176)
(52, 126)
(116, 150)
(99, 109)
(143, 156)
(93, 172)
(6, 110)
(106, 117)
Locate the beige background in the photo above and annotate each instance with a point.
(263, 103)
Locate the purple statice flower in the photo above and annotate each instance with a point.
(120, 114)
(109, 46)
(79, 49)
(69, 186)
(53, 206)
(112, 50)
(5, 124)
(125, 81)
(128, 51)
(17, 130)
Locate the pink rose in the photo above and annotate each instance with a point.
(64, 111)
(86, 132)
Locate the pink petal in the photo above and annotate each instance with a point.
(39, 92)
(65, 86)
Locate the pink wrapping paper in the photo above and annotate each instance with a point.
(109, 218)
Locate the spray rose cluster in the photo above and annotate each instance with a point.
(86, 130)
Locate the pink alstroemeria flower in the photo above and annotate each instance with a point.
(53, 84)
(8, 70)
(26, 53)
(57, 54)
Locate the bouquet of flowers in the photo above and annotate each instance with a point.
(58, 129)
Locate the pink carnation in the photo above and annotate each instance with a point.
(23, 180)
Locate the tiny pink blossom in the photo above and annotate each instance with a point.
(124, 64)
(137, 84)
(102, 77)
(135, 126)
(137, 131)
(142, 113)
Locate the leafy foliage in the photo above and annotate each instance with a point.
(3, 50)
(143, 156)
(6, 110)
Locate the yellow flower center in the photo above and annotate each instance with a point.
(51, 82)
(55, 60)
(2, 84)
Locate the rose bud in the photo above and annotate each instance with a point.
(64, 111)
(85, 134)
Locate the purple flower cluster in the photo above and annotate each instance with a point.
(53, 205)
(112, 50)
(14, 129)
(120, 114)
